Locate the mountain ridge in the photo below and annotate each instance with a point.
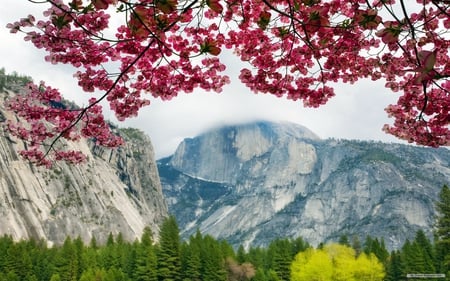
(317, 189)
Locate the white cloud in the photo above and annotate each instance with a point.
(357, 111)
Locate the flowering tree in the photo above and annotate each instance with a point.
(296, 49)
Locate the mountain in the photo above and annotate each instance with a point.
(114, 191)
(256, 182)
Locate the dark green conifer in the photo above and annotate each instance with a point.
(241, 255)
(169, 262)
(190, 261)
(213, 264)
(66, 263)
(280, 253)
(443, 231)
(146, 261)
(394, 269)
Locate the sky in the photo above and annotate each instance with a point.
(356, 112)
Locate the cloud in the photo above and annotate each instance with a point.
(357, 111)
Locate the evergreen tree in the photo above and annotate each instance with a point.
(169, 262)
(280, 253)
(94, 274)
(18, 260)
(426, 250)
(413, 258)
(443, 231)
(129, 261)
(376, 247)
(66, 263)
(108, 254)
(93, 243)
(12, 276)
(78, 257)
(241, 255)
(394, 269)
(115, 274)
(258, 257)
(90, 257)
(6, 242)
(226, 249)
(146, 269)
(343, 240)
(42, 260)
(190, 261)
(299, 245)
(56, 277)
(213, 264)
(260, 275)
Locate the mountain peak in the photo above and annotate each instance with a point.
(233, 147)
(255, 182)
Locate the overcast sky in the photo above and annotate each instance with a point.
(357, 111)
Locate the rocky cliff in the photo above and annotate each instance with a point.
(256, 182)
(114, 191)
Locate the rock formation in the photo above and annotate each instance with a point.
(256, 182)
(116, 190)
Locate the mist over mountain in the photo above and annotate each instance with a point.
(256, 182)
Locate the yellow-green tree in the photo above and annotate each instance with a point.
(369, 268)
(313, 265)
(335, 262)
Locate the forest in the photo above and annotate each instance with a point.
(202, 257)
(205, 258)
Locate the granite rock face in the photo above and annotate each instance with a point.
(256, 182)
(114, 191)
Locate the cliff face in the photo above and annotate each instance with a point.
(253, 183)
(114, 191)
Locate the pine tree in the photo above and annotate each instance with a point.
(169, 262)
(258, 257)
(190, 261)
(343, 240)
(146, 263)
(413, 258)
(443, 230)
(426, 250)
(108, 254)
(280, 251)
(213, 264)
(41, 259)
(240, 255)
(299, 245)
(394, 269)
(6, 242)
(376, 247)
(226, 249)
(18, 260)
(66, 263)
(129, 261)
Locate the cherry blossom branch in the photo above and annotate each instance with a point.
(295, 49)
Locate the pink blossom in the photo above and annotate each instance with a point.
(292, 49)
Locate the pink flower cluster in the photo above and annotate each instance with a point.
(49, 119)
(293, 48)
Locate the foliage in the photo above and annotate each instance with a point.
(295, 49)
(443, 230)
(335, 262)
(169, 259)
(204, 258)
